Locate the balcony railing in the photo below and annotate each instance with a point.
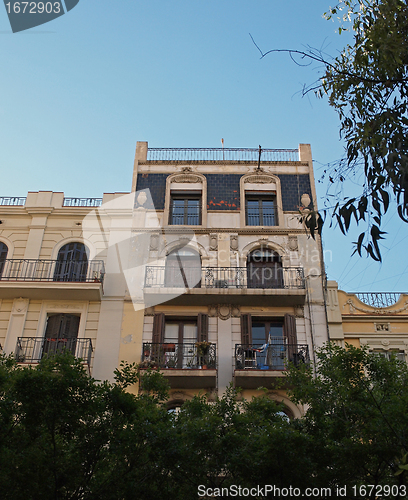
(13, 200)
(221, 154)
(225, 277)
(82, 202)
(181, 356)
(378, 299)
(272, 356)
(33, 349)
(52, 270)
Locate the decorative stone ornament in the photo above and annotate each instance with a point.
(154, 242)
(213, 241)
(213, 310)
(259, 179)
(305, 200)
(382, 327)
(20, 305)
(299, 311)
(141, 198)
(186, 178)
(234, 242)
(224, 311)
(293, 243)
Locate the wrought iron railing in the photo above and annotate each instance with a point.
(378, 299)
(221, 154)
(33, 349)
(272, 356)
(181, 356)
(225, 277)
(13, 200)
(52, 270)
(82, 202)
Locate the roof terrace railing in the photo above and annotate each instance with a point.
(13, 200)
(378, 299)
(82, 202)
(221, 154)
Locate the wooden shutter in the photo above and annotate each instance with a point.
(158, 328)
(202, 327)
(246, 329)
(289, 329)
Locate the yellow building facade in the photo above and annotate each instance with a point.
(378, 320)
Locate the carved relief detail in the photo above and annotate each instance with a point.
(186, 178)
(259, 179)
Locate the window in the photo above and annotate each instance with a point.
(183, 269)
(174, 340)
(3, 256)
(61, 334)
(400, 355)
(267, 343)
(72, 263)
(185, 209)
(264, 269)
(260, 209)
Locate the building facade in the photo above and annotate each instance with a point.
(377, 320)
(203, 269)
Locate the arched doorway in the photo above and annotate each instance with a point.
(264, 269)
(72, 262)
(183, 269)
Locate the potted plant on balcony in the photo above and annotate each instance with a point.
(203, 349)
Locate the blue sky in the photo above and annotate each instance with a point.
(78, 92)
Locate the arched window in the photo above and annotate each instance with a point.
(3, 256)
(183, 269)
(264, 269)
(72, 262)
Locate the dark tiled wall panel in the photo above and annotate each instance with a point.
(157, 185)
(223, 190)
(293, 186)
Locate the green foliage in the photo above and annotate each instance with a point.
(367, 84)
(64, 435)
(357, 414)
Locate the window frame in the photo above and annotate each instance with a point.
(260, 198)
(186, 197)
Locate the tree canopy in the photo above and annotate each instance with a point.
(64, 435)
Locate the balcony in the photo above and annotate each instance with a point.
(51, 279)
(15, 201)
(82, 202)
(183, 365)
(248, 287)
(31, 350)
(259, 365)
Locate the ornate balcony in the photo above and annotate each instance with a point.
(185, 365)
(51, 279)
(31, 350)
(260, 365)
(246, 285)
